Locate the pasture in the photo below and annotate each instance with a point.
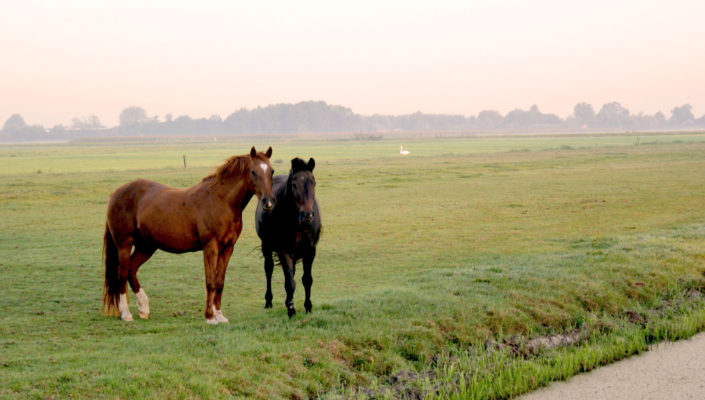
(435, 271)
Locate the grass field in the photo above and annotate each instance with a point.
(437, 273)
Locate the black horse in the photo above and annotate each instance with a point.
(291, 230)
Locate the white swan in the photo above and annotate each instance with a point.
(402, 151)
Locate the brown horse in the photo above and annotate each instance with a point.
(147, 216)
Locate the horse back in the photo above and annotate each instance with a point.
(125, 201)
(153, 213)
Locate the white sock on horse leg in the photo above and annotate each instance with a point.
(143, 303)
(124, 308)
(219, 316)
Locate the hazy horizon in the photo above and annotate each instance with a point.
(184, 58)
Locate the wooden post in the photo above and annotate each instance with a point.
(184, 160)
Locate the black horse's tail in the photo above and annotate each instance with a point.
(111, 287)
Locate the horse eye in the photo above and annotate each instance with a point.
(253, 172)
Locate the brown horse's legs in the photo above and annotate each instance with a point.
(139, 257)
(123, 249)
(307, 279)
(289, 283)
(210, 262)
(223, 259)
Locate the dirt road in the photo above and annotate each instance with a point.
(674, 371)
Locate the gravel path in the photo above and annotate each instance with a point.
(674, 371)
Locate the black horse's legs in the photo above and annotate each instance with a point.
(139, 256)
(307, 279)
(289, 283)
(268, 268)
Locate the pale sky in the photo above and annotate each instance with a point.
(66, 59)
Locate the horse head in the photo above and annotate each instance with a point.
(302, 186)
(260, 177)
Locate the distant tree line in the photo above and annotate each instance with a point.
(319, 117)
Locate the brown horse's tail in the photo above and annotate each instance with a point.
(111, 287)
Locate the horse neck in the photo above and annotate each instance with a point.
(285, 197)
(234, 191)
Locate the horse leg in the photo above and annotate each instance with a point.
(210, 262)
(307, 279)
(139, 257)
(223, 259)
(287, 263)
(268, 269)
(124, 249)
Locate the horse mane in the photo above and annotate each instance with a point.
(233, 165)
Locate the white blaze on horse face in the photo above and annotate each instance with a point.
(264, 167)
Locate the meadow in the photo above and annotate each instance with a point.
(472, 268)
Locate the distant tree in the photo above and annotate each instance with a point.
(584, 113)
(133, 116)
(520, 119)
(613, 115)
(183, 119)
(489, 119)
(659, 118)
(305, 116)
(57, 130)
(700, 121)
(90, 122)
(682, 116)
(169, 117)
(517, 119)
(183, 124)
(16, 128)
(14, 124)
(648, 122)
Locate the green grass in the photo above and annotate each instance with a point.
(423, 259)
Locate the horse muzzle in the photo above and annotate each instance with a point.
(306, 217)
(268, 203)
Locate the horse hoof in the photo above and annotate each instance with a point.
(144, 315)
(212, 321)
(291, 312)
(267, 305)
(219, 316)
(127, 317)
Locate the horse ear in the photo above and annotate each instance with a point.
(253, 152)
(311, 164)
(297, 165)
(269, 152)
